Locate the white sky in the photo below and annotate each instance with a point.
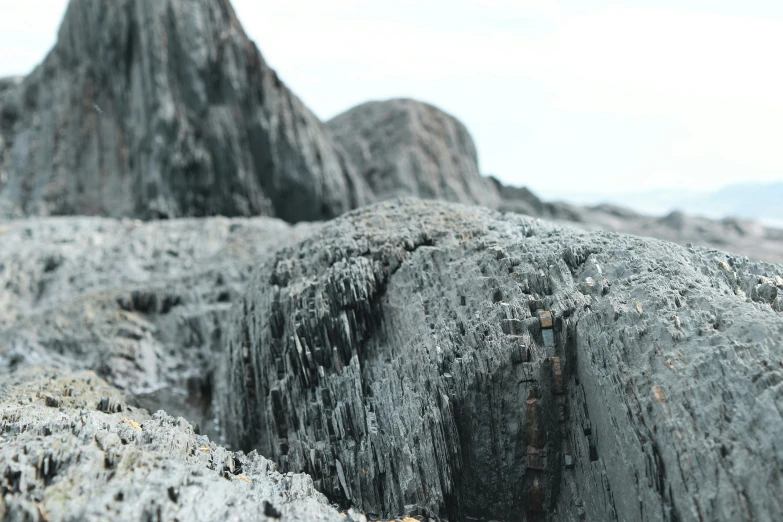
(614, 97)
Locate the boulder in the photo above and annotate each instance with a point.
(404, 147)
(418, 356)
(148, 108)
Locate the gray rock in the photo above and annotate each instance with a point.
(146, 305)
(9, 114)
(148, 108)
(407, 148)
(72, 462)
(401, 359)
(741, 236)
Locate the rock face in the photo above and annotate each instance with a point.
(407, 148)
(72, 449)
(154, 108)
(145, 305)
(434, 357)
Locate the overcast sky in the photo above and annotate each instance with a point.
(614, 97)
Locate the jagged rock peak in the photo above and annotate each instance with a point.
(165, 108)
(405, 147)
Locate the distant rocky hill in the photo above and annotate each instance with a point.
(759, 201)
(752, 200)
(732, 234)
(404, 147)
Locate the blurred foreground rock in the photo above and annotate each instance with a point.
(143, 304)
(72, 449)
(405, 360)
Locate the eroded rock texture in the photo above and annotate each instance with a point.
(72, 449)
(154, 108)
(407, 148)
(402, 359)
(146, 305)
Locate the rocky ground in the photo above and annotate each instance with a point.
(72, 449)
(397, 355)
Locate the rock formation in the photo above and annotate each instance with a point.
(152, 108)
(407, 148)
(145, 305)
(72, 449)
(164, 109)
(741, 236)
(413, 357)
(422, 356)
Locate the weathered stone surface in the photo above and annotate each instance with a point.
(398, 357)
(152, 108)
(63, 457)
(145, 305)
(404, 147)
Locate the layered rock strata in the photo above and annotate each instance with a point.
(145, 305)
(421, 356)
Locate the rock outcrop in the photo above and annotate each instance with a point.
(413, 357)
(423, 356)
(72, 448)
(145, 305)
(148, 108)
(408, 148)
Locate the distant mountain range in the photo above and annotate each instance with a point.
(763, 202)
